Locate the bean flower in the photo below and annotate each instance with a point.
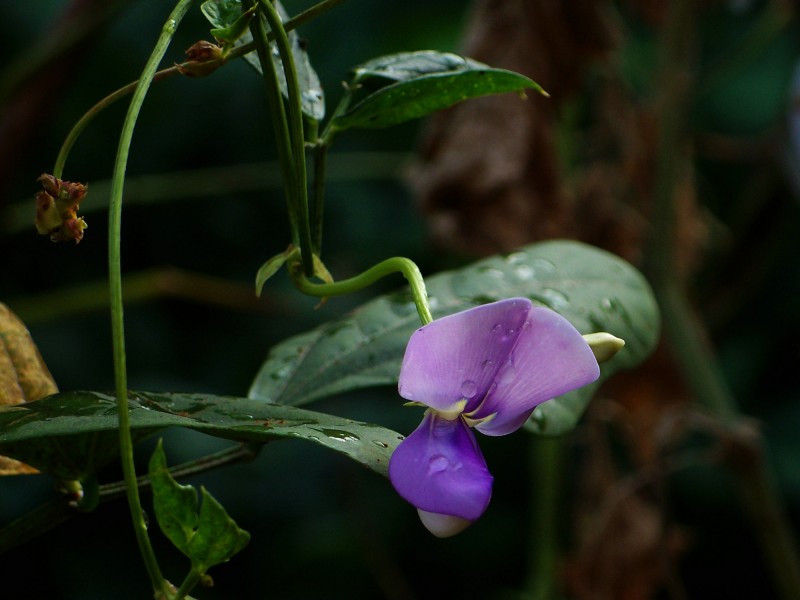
(486, 368)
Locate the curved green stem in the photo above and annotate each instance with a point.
(160, 585)
(90, 114)
(304, 17)
(296, 136)
(397, 264)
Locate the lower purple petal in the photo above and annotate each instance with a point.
(440, 469)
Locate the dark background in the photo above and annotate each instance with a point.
(322, 526)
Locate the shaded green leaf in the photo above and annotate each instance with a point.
(175, 505)
(595, 290)
(235, 30)
(422, 83)
(208, 537)
(217, 538)
(54, 434)
(223, 15)
(272, 266)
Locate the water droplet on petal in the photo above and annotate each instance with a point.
(438, 463)
(468, 389)
(497, 328)
(507, 374)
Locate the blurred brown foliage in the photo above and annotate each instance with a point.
(493, 174)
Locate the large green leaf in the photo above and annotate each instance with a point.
(421, 83)
(71, 434)
(223, 14)
(595, 290)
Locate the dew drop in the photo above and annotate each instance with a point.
(438, 463)
(381, 444)
(507, 374)
(497, 328)
(557, 300)
(524, 272)
(468, 389)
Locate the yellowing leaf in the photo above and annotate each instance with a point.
(23, 375)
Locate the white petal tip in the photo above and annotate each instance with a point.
(443, 526)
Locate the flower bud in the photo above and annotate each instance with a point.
(202, 59)
(604, 345)
(56, 209)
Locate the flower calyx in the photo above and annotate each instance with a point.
(56, 209)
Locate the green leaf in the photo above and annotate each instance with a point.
(223, 14)
(218, 537)
(175, 505)
(235, 30)
(595, 290)
(55, 434)
(422, 83)
(272, 266)
(209, 537)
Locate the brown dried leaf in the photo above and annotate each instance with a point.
(23, 375)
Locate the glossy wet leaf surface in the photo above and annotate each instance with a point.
(421, 83)
(72, 434)
(595, 290)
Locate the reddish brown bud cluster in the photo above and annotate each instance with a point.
(56, 209)
(201, 59)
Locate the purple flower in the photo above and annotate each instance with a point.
(487, 368)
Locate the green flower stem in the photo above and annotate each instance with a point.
(295, 125)
(545, 458)
(296, 21)
(397, 264)
(321, 146)
(280, 125)
(160, 585)
(320, 170)
(192, 579)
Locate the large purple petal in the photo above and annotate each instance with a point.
(457, 357)
(440, 469)
(550, 358)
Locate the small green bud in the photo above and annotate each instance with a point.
(604, 345)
